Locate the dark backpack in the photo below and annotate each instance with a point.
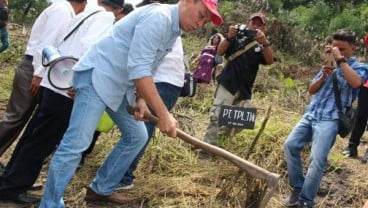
(4, 16)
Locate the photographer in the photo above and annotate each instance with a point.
(236, 81)
(320, 123)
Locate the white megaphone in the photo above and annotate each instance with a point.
(60, 73)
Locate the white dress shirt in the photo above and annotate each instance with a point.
(171, 69)
(47, 30)
(91, 30)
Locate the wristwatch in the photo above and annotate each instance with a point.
(341, 60)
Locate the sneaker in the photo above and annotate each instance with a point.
(293, 199)
(350, 151)
(305, 205)
(122, 186)
(365, 157)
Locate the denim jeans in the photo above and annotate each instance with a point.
(87, 110)
(322, 135)
(169, 94)
(4, 38)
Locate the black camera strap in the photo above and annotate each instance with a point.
(79, 24)
(336, 91)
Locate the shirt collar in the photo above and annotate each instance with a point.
(176, 20)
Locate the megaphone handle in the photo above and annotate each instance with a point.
(43, 61)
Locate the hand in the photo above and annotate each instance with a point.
(232, 32)
(71, 93)
(334, 51)
(327, 71)
(261, 37)
(168, 124)
(35, 85)
(141, 107)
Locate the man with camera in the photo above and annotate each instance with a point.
(320, 123)
(245, 48)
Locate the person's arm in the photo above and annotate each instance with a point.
(225, 43)
(349, 74)
(149, 38)
(147, 90)
(267, 50)
(318, 82)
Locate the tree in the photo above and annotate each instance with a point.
(24, 12)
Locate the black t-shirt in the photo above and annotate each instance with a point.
(240, 74)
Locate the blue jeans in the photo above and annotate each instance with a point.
(169, 94)
(4, 38)
(87, 110)
(322, 134)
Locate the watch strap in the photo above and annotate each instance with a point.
(341, 60)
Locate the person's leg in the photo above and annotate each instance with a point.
(169, 95)
(87, 110)
(134, 137)
(49, 125)
(360, 124)
(20, 106)
(4, 36)
(294, 144)
(222, 97)
(323, 138)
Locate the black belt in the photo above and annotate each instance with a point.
(28, 57)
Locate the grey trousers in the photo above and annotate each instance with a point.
(222, 97)
(20, 105)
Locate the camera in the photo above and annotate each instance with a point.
(244, 32)
(330, 60)
(244, 35)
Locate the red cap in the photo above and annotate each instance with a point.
(260, 16)
(212, 6)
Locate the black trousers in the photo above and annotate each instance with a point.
(42, 135)
(362, 116)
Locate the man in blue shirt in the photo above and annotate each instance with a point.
(319, 124)
(107, 77)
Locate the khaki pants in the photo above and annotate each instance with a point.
(222, 97)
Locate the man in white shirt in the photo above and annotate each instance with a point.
(23, 98)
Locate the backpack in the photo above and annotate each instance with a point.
(4, 16)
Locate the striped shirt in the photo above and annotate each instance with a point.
(323, 104)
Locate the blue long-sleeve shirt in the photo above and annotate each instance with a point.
(323, 104)
(132, 50)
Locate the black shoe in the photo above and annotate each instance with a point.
(350, 151)
(365, 157)
(292, 200)
(22, 198)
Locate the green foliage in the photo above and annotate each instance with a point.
(313, 19)
(353, 18)
(24, 12)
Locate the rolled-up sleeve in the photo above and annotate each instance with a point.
(147, 42)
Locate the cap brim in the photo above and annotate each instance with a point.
(260, 17)
(216, 17)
